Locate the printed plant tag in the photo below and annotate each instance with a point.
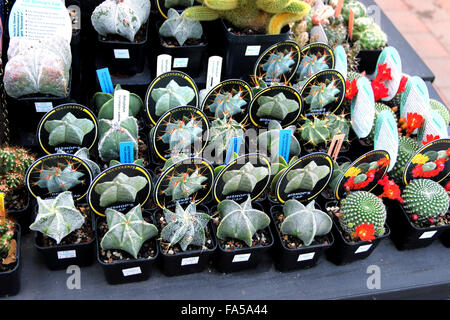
(285, 144)
(121, 105)
(306, 256)
(189, 261)
(241, 257)
(415, 99)
(131, 271)
(43, 106)
(341, 60)
(386, 136)
(391, 57)
(235, 146)
(252, 50)
(363, 109)
(214, 73)
(163, 64)
(363, 248)
(336, 145)
(180, 62)
(67, 254)
(121, 54)
(104, 78)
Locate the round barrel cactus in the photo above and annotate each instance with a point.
(407, 147)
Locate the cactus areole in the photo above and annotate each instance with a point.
(120, 188)
(52, 174)
(67, 128)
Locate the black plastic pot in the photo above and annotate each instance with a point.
(126, 271)
(368, 60)
(242, 51)
(445, 238)
(359, 147)
(23, 216)
(287, 259)
(10, 280)
(124, 57)
(61, 256)
(407, 236)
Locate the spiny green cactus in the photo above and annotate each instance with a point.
(180, 134)
(121, 17)
(185, 227)
(180, 27)
(268, 16)
(59, 178)
(121, 189)
(306, 178)
(311, 64)
(314, 132)
(69, 130)
(440, 109)
(354, 75)
(305, 222)
(57, 217)
(173, 95)
(258, 85)
(426, 198)
(221, 132)
(227, 104)
(372, 38)
(113, 133)
(362, 207)
(181, 3)
(336, 32)
(278, 64)
(240, 221)
(407, 148)
(277, 107)
(104, 104)
(184, 184)
(6, 235)
(268, 141)
(322, 94)
(357, 7)
(244, 179)
(338, 124)
(127, 232)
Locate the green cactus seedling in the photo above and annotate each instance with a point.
(180, 27)
(306, 178)
(244, 179)
(277, 107)
(268, 141)
(172, 95)
(69, 130)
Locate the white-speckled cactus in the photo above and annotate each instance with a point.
(244, 179)
(180, 27)
(173, 95)
(69, 130)
(121, 17)
(306, 178)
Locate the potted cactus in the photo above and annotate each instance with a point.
(248, 28)
(122, 38)
(10, 264)
(126, 245)
(242, 233)
(301, 232)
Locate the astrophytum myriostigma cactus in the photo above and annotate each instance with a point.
(277, 107)
(244, 179)
(268, 141)
(104, 104)
(69, 130)
(306, 178)
(173, 95)
(180, 27)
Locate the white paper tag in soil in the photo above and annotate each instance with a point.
(306, 256)
(131, 271)
(252, 50)
(189, 261)
(180, 62)
(241, 257)
(363, 248)
(67, 254)
(163, 64)
(121, 105)
(428, 234)
(43, 106)
(214, 72)
(121, 54)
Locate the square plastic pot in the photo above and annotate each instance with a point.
(407, 236)
(10, 280)
(445, 238)
(287, 259)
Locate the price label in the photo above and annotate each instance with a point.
(69, 254)
(363, 248)
(241, 257)
(428, 234)
(121, 54)
(306, 256)
(43, 106)
(180, 62)
(252, 50)
(189, 261)
(131, 271)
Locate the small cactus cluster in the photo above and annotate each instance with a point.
(69, 129)
(322, 94)
(104, 104)
(180, 27)
(306, 178)
(319, 132)
(243, 179)
(59, 178)
(173, 95)
(277, 65)
(268, 141)
(227, 104)
(184, 184)
(369, 34)
(425, 198)
(277, 107)
(407, 148)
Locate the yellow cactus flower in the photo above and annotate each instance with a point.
(420, 159)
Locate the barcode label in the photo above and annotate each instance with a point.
(131, 271)
(67, 254)
(241, 257)
(189, 261)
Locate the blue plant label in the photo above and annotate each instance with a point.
(386, 136)
(416, 98)
(391, 58)
(341, 60)
(104, 78)
(234, 147)
(284, 145)
(126, 152)
(363, 109)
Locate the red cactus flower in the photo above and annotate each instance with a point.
(413, 122)
(365, 232)
(379, 90)
(390, 189)
(384, 162)
(447, 186)
(418, 171)
(448, 152)
(384, 73)
(351, 89)
(402, 87)
(429, 139)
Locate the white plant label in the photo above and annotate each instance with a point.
(386, 136)
(391, 57)
(363, 109)
(252, 51)
(121, 105)
(67, 254)
(363, 248)
(131, 271)
(417, 98)
(39, 19)
(189, 261)
(121, 54)
(241, 257)
(180, 62)
(427, 235)
(319, 33)
(163, 64)
(306, 256)
(341, 60)
(214, 72)
(43, 106)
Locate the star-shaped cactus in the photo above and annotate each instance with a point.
(59, 178)
(227, 104)
(180, 134)
(277, 107)
(244, 179)
(185, 227)
(306, 178)
(182, 185)
(322, 94)
(172, 95)
(127, 232)
(278, 64)
(69, 129)
(180, 27)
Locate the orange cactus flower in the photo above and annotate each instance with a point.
(365, 232)
(384, 73)
(430, 138)
(413, 122)
(351, 89)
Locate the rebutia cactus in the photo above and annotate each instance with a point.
(38, 67)
(240, 221)
(315, 132)
(268, 141)
(121, 189)
(59, 179)
(278, 64)
(311, 64)
(69, 130)
(120, 17)
(104, 103)
(185, 227)
(425, 198)
(180, 27)
(227, 104)
(407, 148)
(180, 134)
(176, 3)
(221, 132)
(277, 107)
(244, 179)
(440, 109)
(184, 184)
(57, 217)
(6, 234)
(322, 94)
(306, 178)
(362, 207)
(268, 16)
(171, 96)
(113, 133)
(127, 232)
(305, 222)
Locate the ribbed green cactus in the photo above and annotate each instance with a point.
(180, 27)
(57, 217)
(362, 207)
(181, 134)
(6, 235)
(440, 109)
(104, 104)
(407, 148)
(121, 189)
(244, 179)
(268, 141)
(314, 132)
(305, 222)
(277, 107)
(227, 104)
(113, 133)
(127, 232)
(306, 178)
(185, 227)
(173, 95)
(322, 94)
(336, 31)
(311, 64)
(426, 198)
(121, 17)
(240, 221)
(59, 178)
(69, 130)
(83, 154)
(184, 184)
(278, 64)
(268, 16)
(221, 132)
(338, 124)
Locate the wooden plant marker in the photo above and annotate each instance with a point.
(336, 145)
(351, 22)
